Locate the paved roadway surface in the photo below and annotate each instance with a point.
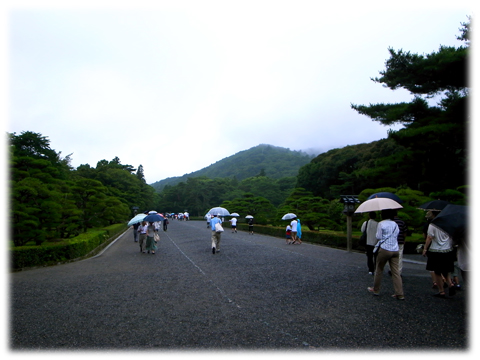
(256, 294)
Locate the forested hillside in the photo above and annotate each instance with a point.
(272, 161)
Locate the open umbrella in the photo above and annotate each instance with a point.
(136, 219)
(378, 204)
(153, 218)
(387, 195)
(289, 216)
(453, 219)
(434, 205)
(220, 211)
(249, 217)
(234, 214)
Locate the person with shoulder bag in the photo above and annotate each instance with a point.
(217, 229)
(387, 247)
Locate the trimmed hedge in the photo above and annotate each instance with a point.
(335, 240)
(81, 246)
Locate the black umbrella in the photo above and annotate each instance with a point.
(434, 205)
(387, 195)
(453, 219)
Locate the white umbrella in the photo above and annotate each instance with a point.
(138, 218)
(234, 214)
(249, 217)
(289, 216)
(378, 204)
(220, 211)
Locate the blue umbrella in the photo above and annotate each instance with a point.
(387, 195)
(153, 218)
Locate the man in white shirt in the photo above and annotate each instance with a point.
(233, 221)
(293, 225)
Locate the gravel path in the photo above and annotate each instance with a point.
(257, 293)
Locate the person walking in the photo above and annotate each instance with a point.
(209, 218)
(288, 234)
(142, 236)
(299, 231)
(293, 225)
(440, 254)
(250, 226)
(216, 236)
(165, 223)
(135, 231)
(387, 233)
(151, 230)
(370, 226)
(233, 221)
(402, 234)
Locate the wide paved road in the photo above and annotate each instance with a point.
(257, 293)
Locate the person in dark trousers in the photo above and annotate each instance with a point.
(370, 226)
(250, 226)
(165, 223)
(135, 232)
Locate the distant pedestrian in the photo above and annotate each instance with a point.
(233, 221)
(142, 236)
(299, 232)
(165, 223)
(440, 254)
(250, 226)
(209, 218)
(288, 234)
(216, 236)
(370, 226)
(135, 232)
(293, 224)
(387, 233)
(151, 230)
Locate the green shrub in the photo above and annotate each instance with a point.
(83, 245)
(325, 238)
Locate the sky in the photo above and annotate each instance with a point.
(178, 86)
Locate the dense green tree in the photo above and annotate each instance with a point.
(259, 207)
(314, 212)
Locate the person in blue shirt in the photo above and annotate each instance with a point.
(216, 236)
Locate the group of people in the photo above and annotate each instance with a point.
(385, 243)
(293, 232)
(147, 234)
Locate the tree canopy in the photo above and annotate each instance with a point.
(51, 200)
(434, 135)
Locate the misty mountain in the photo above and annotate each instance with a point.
(272, 161)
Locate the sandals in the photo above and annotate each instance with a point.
(370, 289)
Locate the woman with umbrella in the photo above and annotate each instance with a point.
(440, 254)
(387, 233)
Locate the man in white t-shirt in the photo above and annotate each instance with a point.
(233, 221)
(293, 224)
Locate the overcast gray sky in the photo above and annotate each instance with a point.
(181, 85)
